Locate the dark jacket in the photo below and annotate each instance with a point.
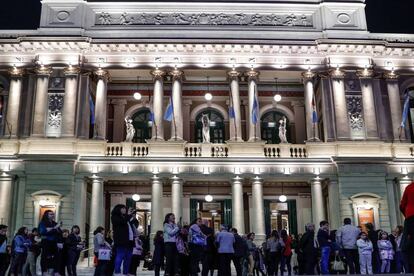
(158, 257)
(120, 226)
(323, 238)
(307, 244)
(72, 242)
(240, 246)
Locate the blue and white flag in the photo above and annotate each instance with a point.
(255, 109)
(232, 115)
(405, 110)
(314, 114)
(169, 113)
(92, 110)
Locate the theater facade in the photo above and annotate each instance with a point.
(256, 114)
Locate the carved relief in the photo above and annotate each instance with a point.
(355, 116)
(54, 118)
(343, 18)
(288, 20)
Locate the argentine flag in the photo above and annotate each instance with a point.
(255, 109)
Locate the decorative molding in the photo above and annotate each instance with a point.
(43, 71)
(308, 75)
(233, 75)
(337, 73)
(71, 71)
(157, 74)
(391, 75)
(177, 75)
(365, 73)
(102, 74)
(16, 72)
(252, 75)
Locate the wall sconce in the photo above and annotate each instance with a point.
(206, 170)
(125, 169)
(287, 171)
(237, 170)
(316, 171)
(404, 171)
(175, 170)
(95, 169)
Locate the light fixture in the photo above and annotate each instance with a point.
(95, 169)
(277, 97)
(137, 95)
(317, 171)
(404, 170)
(136, 197)
(125, 169)
(208, 95)
(208, 197)
(237, 170)
(282, 197)
(155, 170)
(206, 170)
(286, 171)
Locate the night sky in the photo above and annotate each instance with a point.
(388, 16)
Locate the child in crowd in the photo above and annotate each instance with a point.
(365, 249)
(386, 252)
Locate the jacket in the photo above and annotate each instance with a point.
(225, 241)
(407, 201)
(20, 244)
(72, 242)
(307, 244)
(365, 247)
(347, 236)
(240, 246)
(158, 257)
(53, 235)
(323, 238)
(121, 229)
(385, 250)
(170, 232)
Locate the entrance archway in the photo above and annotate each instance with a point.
(270, 127)
(142, 124)
(217, 134)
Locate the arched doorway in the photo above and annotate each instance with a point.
(270, 127)
(216, 126)
(143, 125)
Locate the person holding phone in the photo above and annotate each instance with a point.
(171, 231)
(50, 233)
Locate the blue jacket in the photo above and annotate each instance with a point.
(20, 244)
(52, 235)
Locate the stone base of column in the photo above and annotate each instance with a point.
(155, 139)
(176, 139)
(236, 140)
(314, 139)
(254, 140)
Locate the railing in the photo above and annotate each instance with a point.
(192, 150)
(285, 151)
(206, 150)
(127, 149)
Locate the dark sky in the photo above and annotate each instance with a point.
(388, 16)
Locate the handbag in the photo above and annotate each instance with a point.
(338, 265)
(104, 254)
(198, 239)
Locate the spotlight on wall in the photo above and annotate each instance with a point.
(95, 169)
(404, 170)
(155, 170)
(137, 96)
(175, 170)
(316, 171)
(136, 197)
(206, 170)
(286, 171)
(125, 169)
(277, 98)
(237, 170)
(208, 96)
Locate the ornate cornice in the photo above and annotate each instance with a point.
(252, 75)
(233, 75)
(391, 75)
(176, 74)
(16, 72)
(157, 74)
(365, 73)
(43, 70)
(101, 74)
(71, 71)
(308, 75)
(337, 73)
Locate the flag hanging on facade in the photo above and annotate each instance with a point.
(314, 114)
(169, 113)
(405, 110)
(255, 109)
(92, 110)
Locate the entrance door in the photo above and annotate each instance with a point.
(143, 216)
(210, 213)
(281, 215)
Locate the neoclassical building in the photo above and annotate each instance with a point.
(261, 71)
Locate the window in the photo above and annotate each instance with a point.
(216, 126)
(143, 126)
(270, 127)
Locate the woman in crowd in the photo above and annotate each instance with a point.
(109, 239)
(100, 243)
(74, 246)
(386, 252)
(50, 233)
(183, 252)
(171, 231)
(252, 252)
(196, 244)
(210, 252)
(33, 253)
(62, 253)
(373, 237)
(274, 249)
(286, 254)
(158, 256)
(20, 246)
(137, 250)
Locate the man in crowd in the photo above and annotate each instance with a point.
(346, 238)
(325, 244)
(308, 248)
(225, 242)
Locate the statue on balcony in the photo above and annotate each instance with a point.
(130, 130)
(282, 131)
(206, 128)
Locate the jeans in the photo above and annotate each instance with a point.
(285, 261)
(224, 268)
(123, 256)
(30, 265)
(171, 259)
(351, 257)
(385, 266)
(325, 252)
(16, 266)
(100, 269)
(365, 263)
(208, 264)
(73, 257)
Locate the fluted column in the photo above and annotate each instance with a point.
(254, 129)
(341, 112)
(70, 101)
(41, 101)
(237, 204)
(97, 217)
(395, 105)
(312, 129)
(6, 199)
(119, 123)
(101, 104)
(235, 123)
(177, 122)
(176, 197)
(334, 207)
(13, 104)
(318, 209)
(156, 206)
(368, 103)
(258, 216)
(157, 104)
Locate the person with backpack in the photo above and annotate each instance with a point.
(241, 252)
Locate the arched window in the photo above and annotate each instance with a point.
(143, 125)
(216, 126)
(270, 127)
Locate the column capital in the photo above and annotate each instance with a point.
(119, 102)
(71, 71)
(308, 76)
(365, 73)
(157, 74)
(16, 72)
(233, 75)
(252, 75)
(101, 74)
(337, 73)
(257, 179)
(315, 180)
(236, 179)
(155, 178)
(43, 71)
(6, 176)
(176, 178)
(177, 75)
(391, 76)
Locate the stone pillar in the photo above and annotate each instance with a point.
(158, 104)
(13, 104)
(70, 101)
(176, 197)
(299, 111)
(368, 103)
(254, 129)
(97, 215)
(41, 101)
(237, 204)
(119, 123)
(312, 129)
(187, 120)
(258, 216)
(235, 123)
(80, 199)
(318, 209)
(395, 105)
(6, 199)
(341, 112)
(334, 206)
(177, 122)
(156, 207)
(101, 104)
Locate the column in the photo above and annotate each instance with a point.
(156, 207)
(318, 209)
(80, 199)
(41, 101)
(341, 111)
(254, 129)
(13, 104)
(258, 216)
(119, 123)
(395, 105)
(312, 129)
(176, 197)
(6, 202)
(237, 204)
(235, 123)
(101, 104)
(368, 103)
(158, 104)
(70, 101)
(97, 216)
(334, 207)
(177, 122)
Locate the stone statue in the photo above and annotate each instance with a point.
(206, 128)
(130, 130)
(282, 130)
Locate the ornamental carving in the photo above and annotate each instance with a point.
(54, 118)
(213, 19)
(355, 114)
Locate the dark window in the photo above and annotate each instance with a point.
(216, 126)
(270, 127)
(142, 125)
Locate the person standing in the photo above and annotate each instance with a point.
(4, 263)
(252, 252)
(50, 233)
(100, 243)
(171, 231)
(400, 260)
(407, 208)
(274, 249)
(210, 252)
(286, 254)
(137, 250)
(196, 245)
(308, 248)
(373, 237)
(325, 245)
(74, 247)
(225, 242)
(158, 256)
(386, 252)
(20, 246)
(346, 237)
(241, 251)
(365, 249)
(32, 253)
